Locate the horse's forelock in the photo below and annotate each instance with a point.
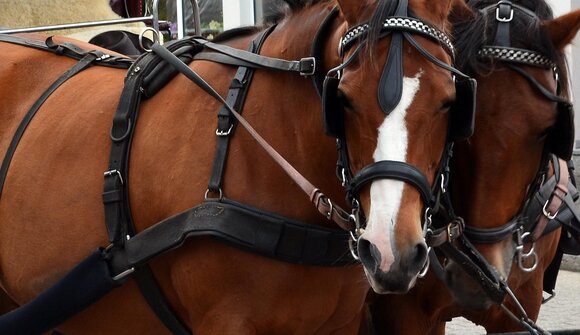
(385, 8)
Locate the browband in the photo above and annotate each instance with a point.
(400, 24)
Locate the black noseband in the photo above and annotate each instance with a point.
(390, 170)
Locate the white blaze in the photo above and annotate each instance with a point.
(386, 194)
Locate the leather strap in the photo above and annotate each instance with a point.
(391, 170)
(306, 66)
(476, 267)
(317, 50)
(551, 208)
(255, 230)
(226, 125)
(68, 49)
(504, 15)
(446, 234)
(84, 63)
(115, 199)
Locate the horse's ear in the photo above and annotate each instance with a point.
(352, 10)
(460, 12)
(563, 29)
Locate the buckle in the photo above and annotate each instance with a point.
(503, 19)
(121, 276)
(546, 213)
(307, 66)
(114, 172)
(219, 132)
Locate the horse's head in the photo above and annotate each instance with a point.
(389, 103)
(496, 172)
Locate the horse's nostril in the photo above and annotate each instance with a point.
(418, 257)
(369, 254)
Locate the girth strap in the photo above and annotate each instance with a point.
(84, 63)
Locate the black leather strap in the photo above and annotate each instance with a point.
(504, 15)
(69, 50)
(246, 227)
(226, 122)
(305, 66)
(391, 170)
(317, 50)
(84, 63)
(492, 235)
(476, 267)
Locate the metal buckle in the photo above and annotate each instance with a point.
(329, 214)
(443, 190)
(449, 232)
(547, 214)
(306, 73)
(114, 172)
(503, 19)
(224, 133)
(123, 274)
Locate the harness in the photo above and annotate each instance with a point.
(256, 230)
(550, 201)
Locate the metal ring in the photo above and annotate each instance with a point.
(221, 195)
(521, 260)
(155, 38)
(425, 268)
(352, 247)
(526, 254)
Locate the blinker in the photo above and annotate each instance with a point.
(332, 109)
(462, 112)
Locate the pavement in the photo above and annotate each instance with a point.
(560, 313)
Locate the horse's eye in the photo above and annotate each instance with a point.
(343, 100)
(542, 135)
(446, 105)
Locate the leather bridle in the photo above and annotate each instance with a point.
(399, 27)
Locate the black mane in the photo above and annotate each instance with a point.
(525, 33)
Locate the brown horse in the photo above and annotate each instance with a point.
(51, 213)
(494, 171)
